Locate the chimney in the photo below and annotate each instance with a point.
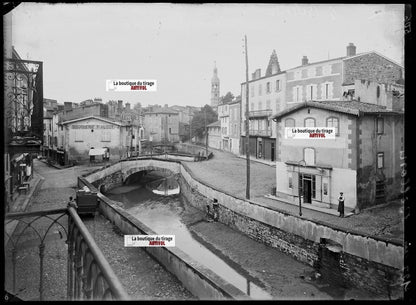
(256, 74)
(351, 49)
(304, 60)
(128, 106)
(166, 105)
(120, 105)
(67, 106)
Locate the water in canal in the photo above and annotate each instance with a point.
(157, 203)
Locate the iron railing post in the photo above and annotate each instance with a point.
(41, 256)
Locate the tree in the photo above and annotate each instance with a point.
(198, 121)
(227, 98)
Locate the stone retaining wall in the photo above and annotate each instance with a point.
(298, 237)
(199, 280)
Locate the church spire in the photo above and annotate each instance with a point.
(274, 66)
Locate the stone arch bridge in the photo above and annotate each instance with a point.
(116, 174)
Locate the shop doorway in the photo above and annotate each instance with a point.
(307, 182)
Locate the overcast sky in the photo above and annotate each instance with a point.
(83, 45)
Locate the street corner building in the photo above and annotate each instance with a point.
(266, 97)
(363, 161)
(83, 134)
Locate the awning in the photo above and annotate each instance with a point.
(97, 151)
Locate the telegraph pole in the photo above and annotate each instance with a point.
(247, 126)
(206, 134)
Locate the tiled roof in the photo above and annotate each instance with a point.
(108, 120)
(349, 107)
(161, 110)
(215, 124)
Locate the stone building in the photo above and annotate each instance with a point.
(224, 118)
(214, 135)
(235, 125)
(266, 97)
(363, 161)
(334, 78)
(161, 125)
(82, 134)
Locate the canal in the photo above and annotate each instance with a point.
(155, 200)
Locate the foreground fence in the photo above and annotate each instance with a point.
(89, 275)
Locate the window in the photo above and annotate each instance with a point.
(170, 130)
(260, 89)
(252, 106)
(78, 135)
(380, 160)
(268, 90)
(277, 85)
(325, 185)
(252, 90)
(309, 122)
(289, 123)
(311, 92)
(380, 125)
(309, 156)
(290, 182)
(105, 136)
(326, 90)
(297, 93)
(333, 122)
(268, 107)
(260, 105)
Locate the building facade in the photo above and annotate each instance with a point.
(362, 161)
(214, 135)
(161, 124)
(266, 97)
(224, 118)
(81, 135)
(235, 125)
(333, 79)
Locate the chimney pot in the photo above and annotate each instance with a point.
(351, 49)
(304, 60)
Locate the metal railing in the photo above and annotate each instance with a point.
(89, 275)
(260, 132)
(260, 113)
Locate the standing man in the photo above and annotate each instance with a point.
(341, 200)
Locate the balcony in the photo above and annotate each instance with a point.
(260, 113)
(260, 132)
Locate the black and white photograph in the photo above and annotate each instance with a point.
(206, 151)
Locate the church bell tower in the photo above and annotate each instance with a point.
(215, 89)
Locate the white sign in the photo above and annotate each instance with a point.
(302, 133)
(149, 240)
(123, 85)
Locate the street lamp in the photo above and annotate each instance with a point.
(300, 189)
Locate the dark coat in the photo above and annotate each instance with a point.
(341, 204)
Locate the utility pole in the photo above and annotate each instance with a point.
(206, 133)
(247, 126)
